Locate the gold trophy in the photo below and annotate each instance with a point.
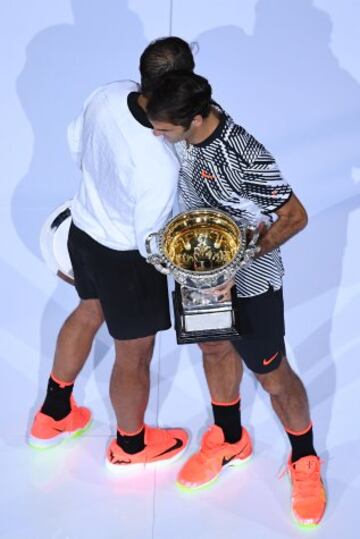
(202, 249)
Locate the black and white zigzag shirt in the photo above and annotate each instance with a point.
(233, 172)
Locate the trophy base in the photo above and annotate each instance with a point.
(206, 324)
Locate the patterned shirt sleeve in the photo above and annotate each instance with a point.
(262, 179)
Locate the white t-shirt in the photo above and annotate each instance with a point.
(129, 176)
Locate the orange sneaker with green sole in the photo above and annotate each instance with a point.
(214, 455)
(308, 500)
(46, 432)
(161, 445)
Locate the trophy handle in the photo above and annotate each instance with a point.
(251, 248)
(155, 258)
(256, 232)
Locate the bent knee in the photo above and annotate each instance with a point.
(135, 352)
(215, 349)
(271, 385)
(276, 381)
(89, 313)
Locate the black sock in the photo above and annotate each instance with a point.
(301, 444)
(132, 443)
(57, 400)
(227, 416)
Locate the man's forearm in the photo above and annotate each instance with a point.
(281, 231)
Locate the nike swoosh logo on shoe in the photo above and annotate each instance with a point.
(115, 460)
(176, 445)
(227, 460)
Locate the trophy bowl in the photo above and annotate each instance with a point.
(202, 249)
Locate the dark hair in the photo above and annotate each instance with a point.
(162, 55)
(178, 97)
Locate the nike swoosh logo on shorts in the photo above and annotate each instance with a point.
(176, 445)
(267, 362)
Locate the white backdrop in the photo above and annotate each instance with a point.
(288, 71)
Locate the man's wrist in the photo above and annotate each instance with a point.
(264, 247)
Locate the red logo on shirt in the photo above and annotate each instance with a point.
(206, 175)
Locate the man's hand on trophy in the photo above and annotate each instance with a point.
(223, 292)
(262, 229)
(254, 239)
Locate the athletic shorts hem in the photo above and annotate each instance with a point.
(138, 335)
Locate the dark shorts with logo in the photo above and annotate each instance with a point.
(262, 327)
(133, 295)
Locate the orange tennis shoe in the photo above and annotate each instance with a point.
(205, 466)
(308, 500)
(161, 445)
(46, 432)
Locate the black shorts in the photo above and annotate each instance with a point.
(262, 326)
(133, 295)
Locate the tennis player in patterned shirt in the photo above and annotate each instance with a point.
(224, 167)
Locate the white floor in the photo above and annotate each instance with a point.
(67, 493)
